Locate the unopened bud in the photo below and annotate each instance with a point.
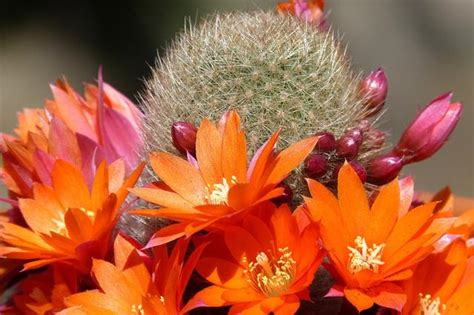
(315, 165)
(326, 142)
(184, 137)
(347, 147)
(356, 134)
(429, 130)
(374, 89)
(384, 169)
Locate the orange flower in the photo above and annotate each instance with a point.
(68, 221)
(83, 131)
(265, 265)
(371, 248)
(443, 283)
(44, 293)
(128, 288)
(199, 193)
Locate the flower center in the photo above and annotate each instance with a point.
(218, 193)
(363, 257)
(138, 309)
(272, 277)
(431, 306)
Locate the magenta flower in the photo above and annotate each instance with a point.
(429, 130)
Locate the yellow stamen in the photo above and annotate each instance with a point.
(430, 305)
(60, 225)
(218, 193)
(362, 257)
(138, 309)
(272, 277)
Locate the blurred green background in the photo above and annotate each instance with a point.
(425, 46)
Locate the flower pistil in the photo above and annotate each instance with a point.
(362, 257)
(272, 277)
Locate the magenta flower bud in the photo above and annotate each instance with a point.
(384, 169)
(326, 143)
(360, 170)
(315, 165)
(347, 147)
(429, 130)
(374, 88)
(184, 137)
(356, 134)
(286, 197)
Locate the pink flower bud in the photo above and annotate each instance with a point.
(383, 169)
(347, 147)
(184, 137)
(429, 130)
(374, 88)
(326, 142)
(356, 134)
(360, 170)
(315, 165)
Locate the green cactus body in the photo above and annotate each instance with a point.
(276, 71)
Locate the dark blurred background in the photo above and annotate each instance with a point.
(425, 46)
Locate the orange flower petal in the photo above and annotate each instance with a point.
(70, 186)
(172, 214)
(353, 201)
(261, 161)
(289, 159)
(284, 227)
(40, 212)
(234, 150)
(320, 192)
(100, 187)
(167, 234)
(93, 301)
(162, 197)
(407, 227)
(290, 305)
(384, 214)
(168, 167)
(461, 302)
(210, 296)
(389, 295)
(209, 152)
(222, 272)
(112, 281)
(246, 294)
(359, 299)
(241, 244)
(78, 224)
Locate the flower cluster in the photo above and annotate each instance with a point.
(235, 239)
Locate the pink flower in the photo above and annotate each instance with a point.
(310, 11)
(103, 125)
(429, 130)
